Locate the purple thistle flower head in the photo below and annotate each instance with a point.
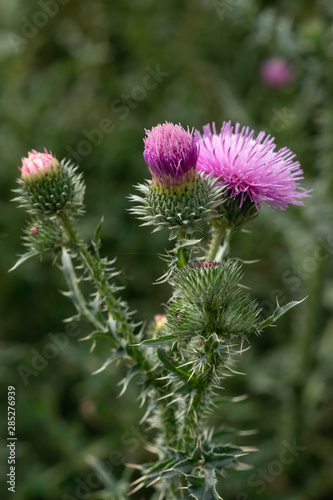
(276, 72)
(171, 154)
(250, 167)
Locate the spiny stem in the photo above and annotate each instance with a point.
(218, 232)
(129, 339)
(194, 421)
(224, 249)
(182, 253)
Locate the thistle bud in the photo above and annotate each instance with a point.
(177, 197)
(48, 187)
(171, 154)
(276, 72)
(37, 167)
(209, 299)
(43, 237)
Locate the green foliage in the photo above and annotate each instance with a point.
(57, 86)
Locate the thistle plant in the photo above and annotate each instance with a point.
(203, 188)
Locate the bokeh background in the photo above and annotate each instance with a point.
(85, 79)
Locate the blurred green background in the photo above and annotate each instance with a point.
(84, 79)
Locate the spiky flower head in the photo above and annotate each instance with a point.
(43, 236)
(209, 299)
(39, 166)
(171, 154)
(177, 197)
(250, 167)
(48, 187)
(276, 72)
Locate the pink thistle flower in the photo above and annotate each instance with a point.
(276, 72)
(250, 168)
(38, 166)
(171, 154)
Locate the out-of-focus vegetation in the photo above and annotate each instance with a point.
(85, 79)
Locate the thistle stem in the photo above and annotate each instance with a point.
(97, 275)
(194, 422)
(224, 249)
(218, 232)
(182, 253)
(127, 338)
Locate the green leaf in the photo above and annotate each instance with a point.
(134, 372)
(181, 372)
(279, 311)
(166, 339)
(22, 259)
(202, 485)
(118, 354)
(96, 242)
(187, 243)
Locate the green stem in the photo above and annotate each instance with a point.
(194, 422)
(98, 277)
(218, 232)
(224, 249)
(128, 339)
(182, 253)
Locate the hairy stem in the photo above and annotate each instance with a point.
(127, 338)
(224, 249)
(218, 232)
(194, 421)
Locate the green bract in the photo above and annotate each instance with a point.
(63, 192)
(184, 210)
(209, 299)
(43, 236)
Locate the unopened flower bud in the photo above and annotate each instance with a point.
(171, 154)
(39, 167)
(276, 72)
(177, 197)
(48, 187)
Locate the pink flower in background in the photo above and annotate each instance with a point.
(276, 72)
(250, 167)
(38, 166)
(171, 154)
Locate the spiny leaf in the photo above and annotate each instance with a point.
(118, 354)
(22, 259)
(279, 311)
(202, 486)
(166, 339)
(134, 372)
(97, 238)
(180, 372)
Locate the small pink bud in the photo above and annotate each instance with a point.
(39, 166)
(276, 72)
(34, 231)
(160, 320)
